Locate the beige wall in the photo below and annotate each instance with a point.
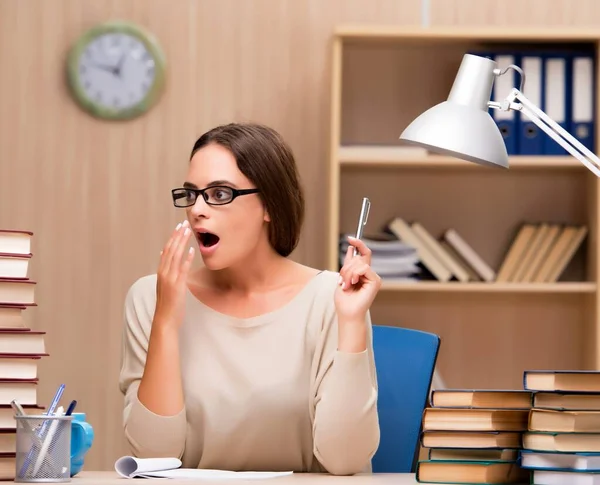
(266, 61)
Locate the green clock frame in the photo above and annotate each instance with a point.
(105, 112)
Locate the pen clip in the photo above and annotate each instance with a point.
(367, 210)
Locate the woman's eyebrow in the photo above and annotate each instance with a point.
(190, 185)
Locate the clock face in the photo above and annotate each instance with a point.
(116, 72)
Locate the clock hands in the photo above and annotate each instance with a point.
(115, 70)
(120, 65)
(104, 67)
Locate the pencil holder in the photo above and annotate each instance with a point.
(43, 448)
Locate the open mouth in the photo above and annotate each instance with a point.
(208, 239)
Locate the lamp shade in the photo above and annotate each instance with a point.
(461, 126)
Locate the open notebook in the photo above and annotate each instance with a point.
(131, 467)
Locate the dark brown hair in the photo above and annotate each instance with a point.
(266, 159)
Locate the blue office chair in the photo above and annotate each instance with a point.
(405, 360)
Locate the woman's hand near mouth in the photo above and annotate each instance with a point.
(173, 270)
(161, 388)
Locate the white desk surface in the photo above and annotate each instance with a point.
(112, 478)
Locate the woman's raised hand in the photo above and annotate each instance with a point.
(173, 270)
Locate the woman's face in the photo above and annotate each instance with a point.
(226, 234)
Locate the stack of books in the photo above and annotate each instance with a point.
(390, 258)
(562, 444)
(20, 347)
(448, 257)
(541, 252)
(474, 436)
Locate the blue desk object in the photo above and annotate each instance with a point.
(405, 361)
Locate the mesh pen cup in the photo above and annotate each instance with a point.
(43, 448)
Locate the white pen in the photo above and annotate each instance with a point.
(362, 220)
(55, 422)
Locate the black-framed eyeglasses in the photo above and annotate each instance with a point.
(217, 195)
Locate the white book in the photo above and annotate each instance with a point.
(132, 467)
(545, 477)
(560, 461)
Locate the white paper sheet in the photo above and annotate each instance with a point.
(132, 467)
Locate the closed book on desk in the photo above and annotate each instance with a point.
(481, 398)
(560, 461)
(17, 292)
(566, 401)
(476, 472)
(562, 442)
(19, 366)
(19, 342)
(449, 419)
(462, 454)
(564, 421)
(14, 265)
(580, 381)
(15, 241)
(11, 317)
(23, 391)
(547, 477)
(471, 439)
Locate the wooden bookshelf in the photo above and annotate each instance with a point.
(433, 286)
(382, 78)
(373, 157)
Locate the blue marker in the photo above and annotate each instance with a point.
(55, 401)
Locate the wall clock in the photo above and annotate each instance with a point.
(116, 71)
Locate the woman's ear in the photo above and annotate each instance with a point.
(266, 217)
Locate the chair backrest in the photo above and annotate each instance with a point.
(405, 361)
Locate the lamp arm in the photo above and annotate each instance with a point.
(551, 128)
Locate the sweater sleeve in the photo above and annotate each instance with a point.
(148, 434)
(346, 423)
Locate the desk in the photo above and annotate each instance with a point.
(112, 478)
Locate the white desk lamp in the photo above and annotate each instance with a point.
(462, 127)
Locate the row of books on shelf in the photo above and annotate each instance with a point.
(559, 81)
(538, 253)
(21, 348)
(546, 433)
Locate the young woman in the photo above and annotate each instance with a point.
(253, 361)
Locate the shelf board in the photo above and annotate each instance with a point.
(434, 286)
(391, 156)
(460, 33)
